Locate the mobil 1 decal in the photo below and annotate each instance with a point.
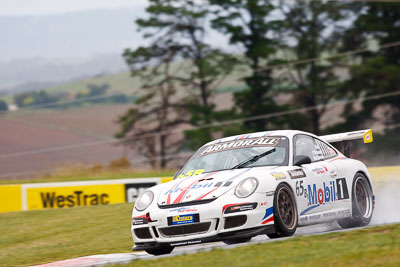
(342, 190)
(133, 190)
(329, 192)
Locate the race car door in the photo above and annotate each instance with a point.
(316, 190)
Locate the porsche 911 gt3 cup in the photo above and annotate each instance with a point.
(237, 187)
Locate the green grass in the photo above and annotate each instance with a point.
(377, 246)
(86, 175)
(35, 237)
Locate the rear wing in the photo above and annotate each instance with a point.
(366, 135)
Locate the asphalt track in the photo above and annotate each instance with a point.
(386, 212)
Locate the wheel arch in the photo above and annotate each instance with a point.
(366, 175)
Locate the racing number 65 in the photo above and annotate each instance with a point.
(299, 188)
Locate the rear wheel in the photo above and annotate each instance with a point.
(362, 203)
(237, 240)
(285, 212)
(159, 251)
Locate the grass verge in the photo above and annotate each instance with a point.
(35, 237)
(377, 246)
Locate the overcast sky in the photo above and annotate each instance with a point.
(68, 28)
(52, 7)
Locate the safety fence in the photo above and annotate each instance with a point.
(73, 194)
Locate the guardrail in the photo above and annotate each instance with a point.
(72, 194)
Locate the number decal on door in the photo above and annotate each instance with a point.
(342, 191)
(300, 190)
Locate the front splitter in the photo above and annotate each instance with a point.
(269, 229)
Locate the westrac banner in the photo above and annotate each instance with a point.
(74, 194)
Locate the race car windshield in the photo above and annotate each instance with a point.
(227, 155)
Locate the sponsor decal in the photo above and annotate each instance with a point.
(263, 203)
(329, 192)
(367, 137)
(183, 219)
(133, 191)
(73, 196)
(77, 198)
(183, 210)
(231, 208)
(191, 173)
(269, 216)
(315, 217)
(295, 174)
(263, 141)
(278, 175)
(344, 213)
(329, 214)
(192, 242)
(139, 220)
(198, 186)
(320, 170)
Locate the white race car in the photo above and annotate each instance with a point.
(237, 187)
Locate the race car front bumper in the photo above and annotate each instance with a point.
(210, 222)
(269, 229)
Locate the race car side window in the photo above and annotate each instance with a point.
(304, 146)
(327, 151)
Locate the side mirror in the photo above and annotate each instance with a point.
(301, 159)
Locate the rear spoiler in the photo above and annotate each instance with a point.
(366, 135)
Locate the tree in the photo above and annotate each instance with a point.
(33, 98)
(377, 73)
(249, 24)
(3, 106)
(312, 30)
(146, 127)
(176, 33)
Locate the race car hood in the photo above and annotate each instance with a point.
(201, 187)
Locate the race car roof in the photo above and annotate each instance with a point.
(286, 133)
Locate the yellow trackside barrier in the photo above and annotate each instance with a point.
(10, 198)
(74, 196)
(104, 192)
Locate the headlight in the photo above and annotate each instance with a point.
(144, 200)
(246, 187)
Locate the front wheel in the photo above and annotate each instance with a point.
(159, 251)
(285, 212)
(362, 204)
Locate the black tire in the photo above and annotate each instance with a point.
(159, 251)
(362, 203)
(237, 240)
(285, 212)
